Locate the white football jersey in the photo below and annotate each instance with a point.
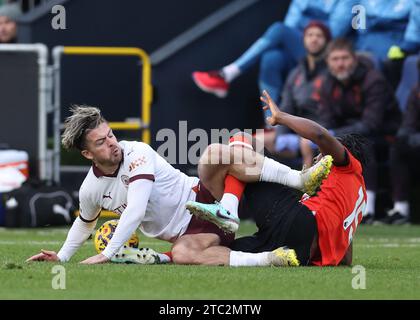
(166, 217)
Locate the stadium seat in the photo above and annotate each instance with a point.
(409, 78)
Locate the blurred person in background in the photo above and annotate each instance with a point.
(280, 48)
(391, 33)
(387, 24)
(404, 157)
(8, 27)
(300, 95)
(356, 98)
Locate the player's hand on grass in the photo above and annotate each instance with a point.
(45, 255)
(99, 258)
(276, 113)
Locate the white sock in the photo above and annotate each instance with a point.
(230, 72)
(230, 202)
(370, 205)
(273, 171)
(164, 258)
(246, 259)
(403, 207)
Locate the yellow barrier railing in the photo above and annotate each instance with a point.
(146, 84)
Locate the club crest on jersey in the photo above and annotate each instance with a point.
(125, 180)
(136, 163)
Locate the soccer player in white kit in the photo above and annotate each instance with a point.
(133, 180)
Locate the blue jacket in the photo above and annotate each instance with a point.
(336, 14)
(387, 24)
(411, 42)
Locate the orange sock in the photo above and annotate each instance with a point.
(233, 191)
(234, 186)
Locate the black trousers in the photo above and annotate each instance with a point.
(404, 166)
(281, 220)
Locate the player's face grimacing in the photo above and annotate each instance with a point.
(102, 146)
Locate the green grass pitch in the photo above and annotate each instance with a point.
(390, 257)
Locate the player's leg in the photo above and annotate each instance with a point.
(195, 249)
(204, 249)
(249, 166)
(282, 221)
(214, 174)
(223, 170)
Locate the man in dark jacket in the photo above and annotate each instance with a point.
(355, 98)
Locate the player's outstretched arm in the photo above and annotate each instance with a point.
(77, 235)
(137, 198)
(307, 129)
(45, 255)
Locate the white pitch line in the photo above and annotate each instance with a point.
(390, 245)
(154, 244)
(30, 243)
(382, 240)
(36, 243)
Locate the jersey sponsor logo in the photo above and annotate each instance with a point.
(108, 196)
(125, 180)
(137, 163)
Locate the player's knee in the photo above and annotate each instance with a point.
(276, 29)
(214, 154)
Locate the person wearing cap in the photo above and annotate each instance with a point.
(280, 47)
(8, 27)
(301, 92)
